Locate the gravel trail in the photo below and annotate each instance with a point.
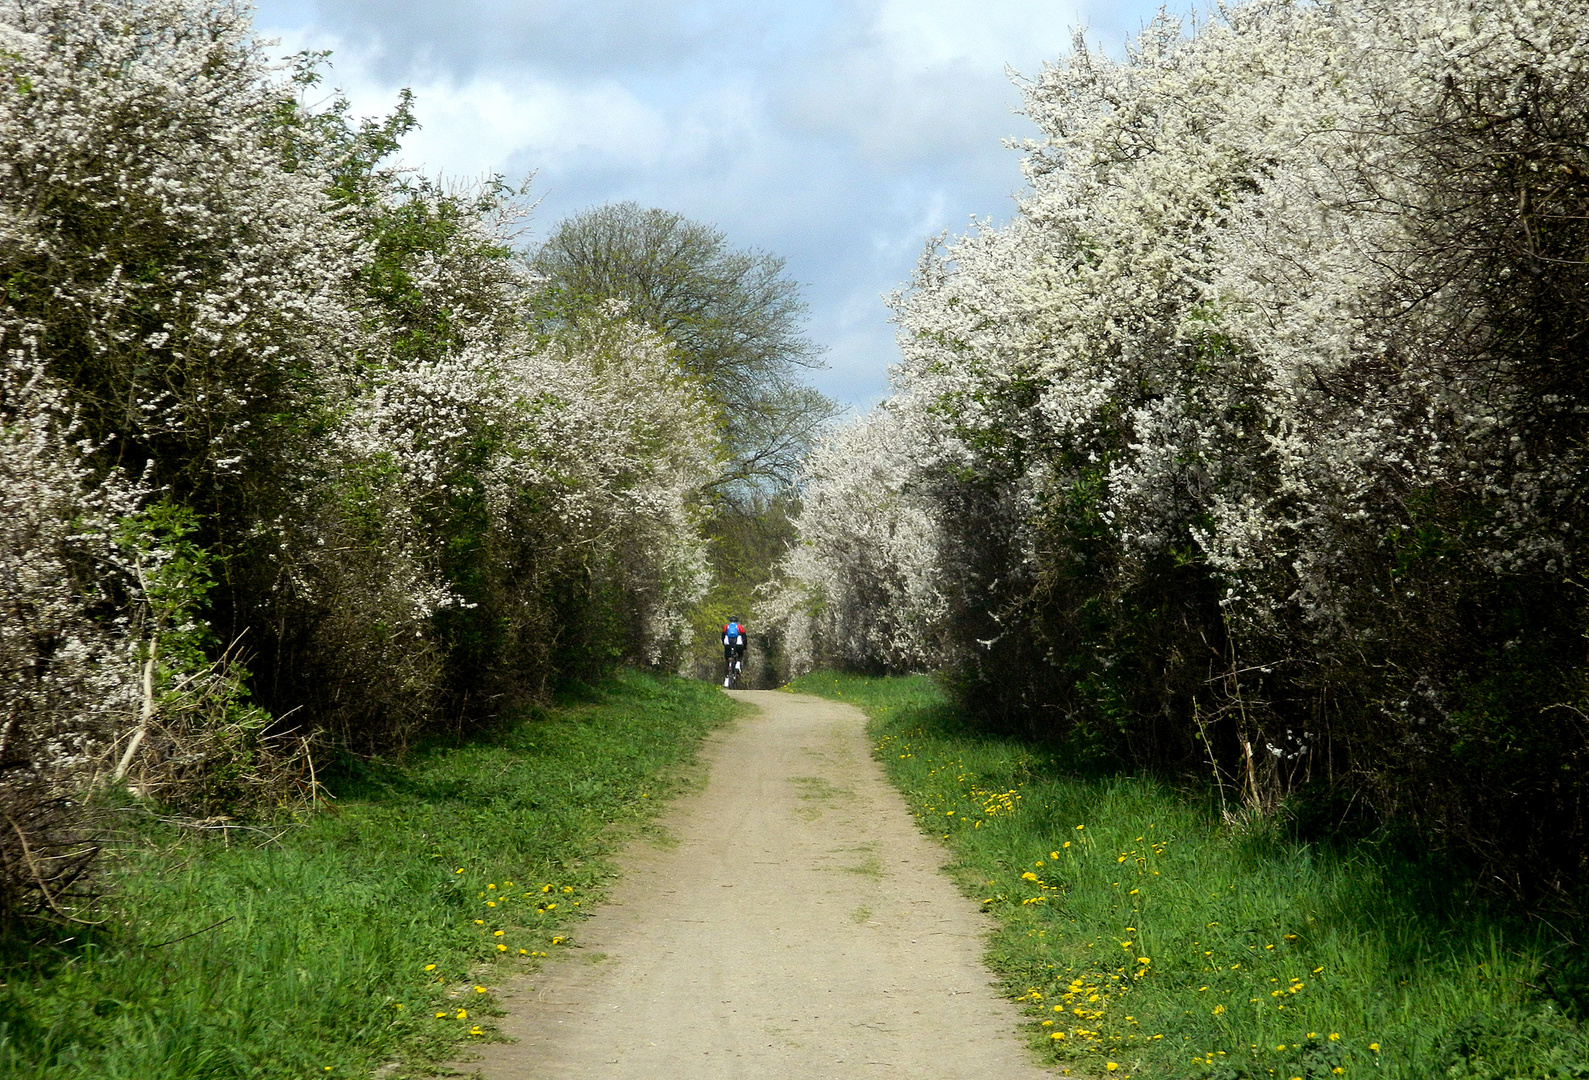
(799, 928)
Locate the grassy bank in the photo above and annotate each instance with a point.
(368, 935)
(1147, 938)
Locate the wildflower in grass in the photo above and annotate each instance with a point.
(557, 941)
(1111, 1066)
(480, 990)
(1219, 1010)
(502, 948)
(440, 1015)
(1374, 1047)
(497, 933)
(430, 967)
(462, 1014)
(1335, 1036)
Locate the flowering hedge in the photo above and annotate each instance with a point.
(266, 400)
(1254, 442)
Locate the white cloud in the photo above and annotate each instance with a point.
(838, 133)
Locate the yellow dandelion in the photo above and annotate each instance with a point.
(502, 948)
(1374, 1047)
(461, 1014)
(1111, 1066)
(497, 933)
(430, 967)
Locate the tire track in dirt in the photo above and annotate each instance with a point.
(799, 927)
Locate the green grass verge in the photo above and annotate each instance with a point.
(1145, 937)
(368, 936)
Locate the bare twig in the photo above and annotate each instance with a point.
(39, 879)
(196, 933)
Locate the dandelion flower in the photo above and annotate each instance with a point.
(430, 967)
(497, 933)
(479, 989)
(462, 1014)
(1111, 1066)
(1374, 1047)
(502, 948)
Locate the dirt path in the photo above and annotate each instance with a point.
(799, 928)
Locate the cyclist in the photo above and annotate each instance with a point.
(734, 634)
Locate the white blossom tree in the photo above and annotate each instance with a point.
(1261, 425)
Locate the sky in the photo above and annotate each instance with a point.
(841, 135)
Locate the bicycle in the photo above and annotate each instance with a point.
(735, 667)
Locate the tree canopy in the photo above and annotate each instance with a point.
(733, 316)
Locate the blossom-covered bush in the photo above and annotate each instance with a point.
(284, 460)
(1256, 438)
(858, 587)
